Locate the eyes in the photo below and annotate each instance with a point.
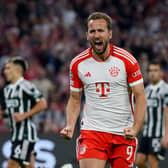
(94, 31)
(153, 70)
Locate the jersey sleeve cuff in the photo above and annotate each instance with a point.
(76, 89)
(136, 82)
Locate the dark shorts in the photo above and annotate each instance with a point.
(151, 146)
(22, 150)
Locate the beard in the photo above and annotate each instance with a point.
(97, 51)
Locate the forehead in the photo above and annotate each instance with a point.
(9, 64)
(154, 68)
(98, 23)
(157, 67)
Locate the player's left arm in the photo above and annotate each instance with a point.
(165, 108)
(140, 107)
(39, 106)
(165, 137)
(135, 81)
(40, 103)
(139, 111)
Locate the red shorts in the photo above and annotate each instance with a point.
(117, 150)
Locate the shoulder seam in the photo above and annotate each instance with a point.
(84, 52)
(79, 57)
(125, 54)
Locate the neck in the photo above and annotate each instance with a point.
(102, 56)
(14, 80)
(155, 82)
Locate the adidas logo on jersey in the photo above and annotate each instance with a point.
(88, 74)
(114, 71)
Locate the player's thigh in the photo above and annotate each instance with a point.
(121, 163)
(32, 162)
(12, 164)
(91, 144)
(153, 161)
(141, 159)
(92, 163)
(123, 156)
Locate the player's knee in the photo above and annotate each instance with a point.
(141, 160)
(153, 161)
(12, 164)
(120, 162)
(30, 166)
(141, 164)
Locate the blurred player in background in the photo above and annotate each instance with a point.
(109, 76)
(154, 138)
(21, 100)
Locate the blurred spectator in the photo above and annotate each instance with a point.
(43, 83)
(49, 34)
(63, 80)
(55, 115)
(33, 69)
(143, 63)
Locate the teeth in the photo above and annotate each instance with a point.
(98, 42)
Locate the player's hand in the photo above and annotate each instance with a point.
(67, 132)
(130, 133)
(19, 117)
(165, 141)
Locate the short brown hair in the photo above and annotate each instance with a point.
(100, 15)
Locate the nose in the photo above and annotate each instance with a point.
(97, 34)
(5, 72)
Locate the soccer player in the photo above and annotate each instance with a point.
(21, 100)
(154, 138)
(109, 76)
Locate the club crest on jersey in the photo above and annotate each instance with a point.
(114, 71)
(82, 149)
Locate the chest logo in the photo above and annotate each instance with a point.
(114, 71)
(12, 103)
(88, 74)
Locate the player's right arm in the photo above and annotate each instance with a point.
(73, 106)
(165, 137)
(72, 113)
(135, 82)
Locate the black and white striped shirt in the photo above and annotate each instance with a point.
(157, 99)
(21, 97)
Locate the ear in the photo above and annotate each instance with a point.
(87, 36)
(19, 69)
(162, 74)
(110, 34)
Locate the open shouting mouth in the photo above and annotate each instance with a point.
(98, 45)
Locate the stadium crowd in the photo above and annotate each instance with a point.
(49, 33)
